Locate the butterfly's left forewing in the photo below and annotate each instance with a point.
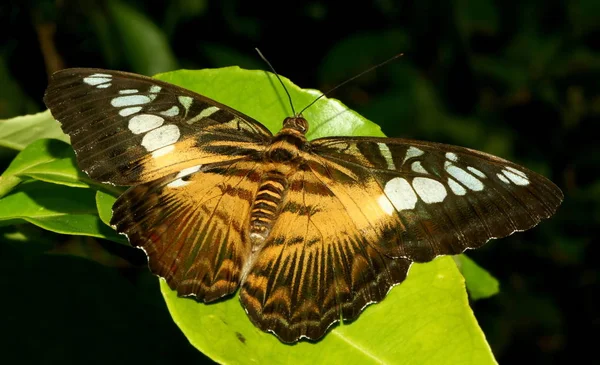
(128, 129)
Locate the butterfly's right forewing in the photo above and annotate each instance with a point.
(437, 199)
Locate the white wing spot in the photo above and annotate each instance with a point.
(128, 91)
(97, 79)
(517, 179)
(186, 101)
(451, 156)
(171, 112)
(400, 193)
(417, 167)
(431, 191)
(464, 177)
(456, 188)
(188, 171)
(503, 178)
(144, 122)
(163, 151)
(154, 89)
(412, 152)
(128, 111)
(512, 169)
(130, 100)
(103, 86)
(160, 137)
(205, 113)
(209, 111)
(177, 183)
(476, 172)
(387, 155)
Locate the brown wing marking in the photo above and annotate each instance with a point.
(193, 227)
(317, 266)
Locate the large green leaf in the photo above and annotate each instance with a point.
(426, 320)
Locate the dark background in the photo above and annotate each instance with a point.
(520, 79)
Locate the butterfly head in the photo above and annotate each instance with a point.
(297, 123)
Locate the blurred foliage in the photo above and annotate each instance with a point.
(514, 78)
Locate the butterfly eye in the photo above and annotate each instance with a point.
(302, 124)
(298, 123)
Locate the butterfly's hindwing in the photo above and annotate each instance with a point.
(192, 226)
(317, 266)
(445, 198)
(127, 129)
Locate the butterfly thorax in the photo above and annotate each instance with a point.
(288, 144)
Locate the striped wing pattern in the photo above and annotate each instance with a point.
(128, 129)
(310, 232)
(318, 265)
(192, 224)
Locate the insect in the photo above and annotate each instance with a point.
(310, 232)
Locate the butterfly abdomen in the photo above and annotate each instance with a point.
(266, 205)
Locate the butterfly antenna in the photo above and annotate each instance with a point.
(278, 78)
(352, 78)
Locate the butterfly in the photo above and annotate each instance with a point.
(308, 232)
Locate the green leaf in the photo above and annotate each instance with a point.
(48, 160)
(57, 208)
(144, 44)
(17, 133)
(425, 320)
(104, 203)
(480, 283)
